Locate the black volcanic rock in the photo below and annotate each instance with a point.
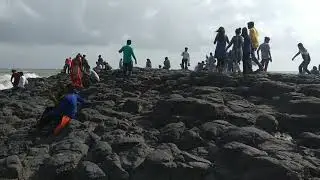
(163, 125)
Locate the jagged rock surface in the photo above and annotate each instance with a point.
(168, 125)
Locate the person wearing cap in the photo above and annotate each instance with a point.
(221, 41)
(254, 36)
(265, 53)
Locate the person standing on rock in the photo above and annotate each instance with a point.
(127, 58)
(76, 72)
(148, 64)
(265, 53)
(254, 35)
(185, 58)
(247, 48)
(220, 53)
(85, 64)
(237, 52)
(211, 63)
(15, 78)
(306, 59)
(121, 64)
(23, 81)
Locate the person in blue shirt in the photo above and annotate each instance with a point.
(66, 110)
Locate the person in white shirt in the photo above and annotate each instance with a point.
(23, 81)
(185, 59)
(121, 64)
(265, 53)
(98, 68)
(94, 77)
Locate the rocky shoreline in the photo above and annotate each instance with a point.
(169, 125)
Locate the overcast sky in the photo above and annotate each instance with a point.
(41, 33)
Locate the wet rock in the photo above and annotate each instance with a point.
(309, 140)
(172, 132)
(267, 123)
(90, 171)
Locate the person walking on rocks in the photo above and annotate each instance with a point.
(15, 78)
(222, 41)
(127, 58)
(265, 53)
(185, 58)
(254, 35)
(247, 48)
(237, 52)
(306, 59)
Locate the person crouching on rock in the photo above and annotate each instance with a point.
(166, 63)
(76, 72)
(127, 58)
(306, 59)
(15, 78)
(64, 112)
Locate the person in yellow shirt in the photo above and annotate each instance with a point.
(254, 36)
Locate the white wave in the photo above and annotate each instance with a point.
(5, 79)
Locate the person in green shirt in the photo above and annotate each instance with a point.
(127, 58)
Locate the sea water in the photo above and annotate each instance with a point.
(5, 75)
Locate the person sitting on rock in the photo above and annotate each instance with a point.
(15, 78)
(107, 67)
(211, 63)
(23, 81)
(197, 68)
(64, 112)
(315, 71)
(148, 64)
(166, 63)
(160, 67)
(98, 68)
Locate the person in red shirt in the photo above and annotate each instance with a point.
(16, 78)
(76, 72)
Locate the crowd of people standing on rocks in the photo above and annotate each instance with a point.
(245, 48)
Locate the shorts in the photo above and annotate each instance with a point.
(127, 66)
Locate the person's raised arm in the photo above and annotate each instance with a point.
(296, 55)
